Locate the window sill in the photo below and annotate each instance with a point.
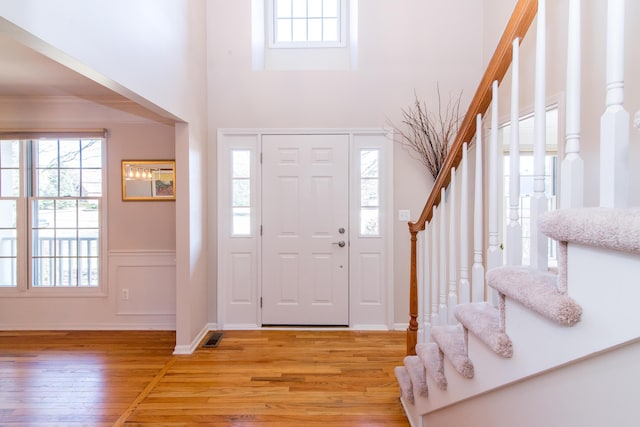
(53, 293)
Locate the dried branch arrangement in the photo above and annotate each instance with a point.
(428, 135)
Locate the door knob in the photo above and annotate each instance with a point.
(341, 243)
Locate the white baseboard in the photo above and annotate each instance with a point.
(241, 326)
(400, 326)
(189, 349)
(381, 327)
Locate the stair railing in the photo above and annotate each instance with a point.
(517, 27)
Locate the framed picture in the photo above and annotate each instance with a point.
(145, 180)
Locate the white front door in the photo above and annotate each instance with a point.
(305, 213)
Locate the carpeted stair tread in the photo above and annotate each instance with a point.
(404, 380)
(415, 368)
(537, 291)
(450, 340)
(433, 361)
(617, 229)
(483, 320)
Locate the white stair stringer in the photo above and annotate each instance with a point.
(595, 391)
(602, 281)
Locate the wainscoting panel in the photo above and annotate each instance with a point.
(144, 282)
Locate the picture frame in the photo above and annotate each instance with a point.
(148, 180)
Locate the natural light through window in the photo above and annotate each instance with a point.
(65, 212)
(50, 202)
(369, 192)
(526, 175)
(9, 194)
(307, 23)
(241, 192)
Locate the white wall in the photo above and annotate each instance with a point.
(153, 52)
(404, 45)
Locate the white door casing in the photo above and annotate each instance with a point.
(305, 221)
(241, 259)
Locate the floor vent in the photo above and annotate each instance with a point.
(213, 340)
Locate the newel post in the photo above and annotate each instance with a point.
(412, 330)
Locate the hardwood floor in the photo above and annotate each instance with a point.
(253, 378)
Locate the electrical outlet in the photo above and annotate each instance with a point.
(125, 294)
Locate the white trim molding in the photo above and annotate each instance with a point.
(239, 257)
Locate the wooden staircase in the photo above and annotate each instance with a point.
(473, 337)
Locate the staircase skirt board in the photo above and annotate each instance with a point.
(433, 361)
(537, 291)
(451, 341)
(483, 320)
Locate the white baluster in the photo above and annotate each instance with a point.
(614, 125)
(452, 300)
(572, 170)
(443, 259)
(464, 285)
(435, 268)
(426, 287)
(494, 254)
(477, 270)
(514, 229)
(539, 243)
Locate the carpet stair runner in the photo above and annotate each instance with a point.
(542, 292)
(537, 291)
(483, 320)
(406, 388)
(451, 341)
(416, 371)
(433, 361)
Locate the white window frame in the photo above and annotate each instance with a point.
(302, 56)
(24, 287)
(272, 30)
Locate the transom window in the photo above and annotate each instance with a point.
(51, 199)
(307, 23)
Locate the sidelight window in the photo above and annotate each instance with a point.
(369, 192)
(241, 192)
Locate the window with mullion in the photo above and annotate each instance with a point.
(9, 196)
(65, 212)
(307, 22)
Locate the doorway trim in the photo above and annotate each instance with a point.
(239, 256)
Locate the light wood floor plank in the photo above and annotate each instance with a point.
(253, 378)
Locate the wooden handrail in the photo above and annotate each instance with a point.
(517, 27)
(521, 19)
